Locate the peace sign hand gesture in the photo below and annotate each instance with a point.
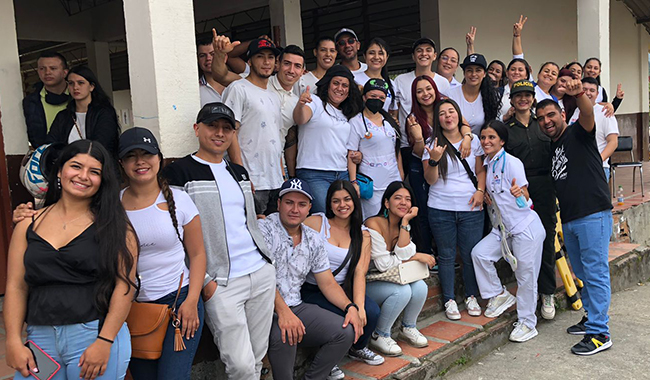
(519, 26)
(471, 36)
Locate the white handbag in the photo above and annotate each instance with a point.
(404, 273)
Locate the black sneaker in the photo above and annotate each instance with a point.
(579, 328)
(592, 344)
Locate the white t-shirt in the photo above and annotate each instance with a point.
(454, 193)
(260, 115)
(499, 177)
(390, 104)
(600, 96)
(541, 95)
(162, 257)
(322, 140)
(244, 257)
(605, 126)
(402, 85)
(472, 112)
(454, 83)
(208, 93)
(362, 67)
(288, 101)
(81, 123)
(308, 79)
(505, 102)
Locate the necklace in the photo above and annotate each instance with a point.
(65, 224)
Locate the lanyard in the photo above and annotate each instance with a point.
(495, 162)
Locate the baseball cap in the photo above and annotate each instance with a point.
(343, 31)
(423, 41)
(297, 185)
(376, 84)
(336, 71)
(260, 44)
(523, 85)
(215, 111)
(137, 138)
(474, 59)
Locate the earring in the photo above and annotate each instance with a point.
(386, 213)
(58, 183)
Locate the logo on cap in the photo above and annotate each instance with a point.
(296, 184)
(264, 43)
(147, 140)
(472, 58)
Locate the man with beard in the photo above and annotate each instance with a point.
(585, 209)
(347, 46)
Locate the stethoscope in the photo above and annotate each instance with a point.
(495, 162)
(368, 134)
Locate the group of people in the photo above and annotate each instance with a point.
(304, 184)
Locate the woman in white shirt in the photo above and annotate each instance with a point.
(517, 70)
(454, 204)
(390, 233)
(507, 187)
(376, 135)
(167, 224)
(323, 130)
(546, 79)
(376, 57)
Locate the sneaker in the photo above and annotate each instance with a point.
(385, 344)
(366, 355)
(592, 344)
(412, 336)
(579, 328)
(548, 306)
(473, 309)
(522, 333)
(336, 374)
(497, 305)
(451, 310)
(434, 269)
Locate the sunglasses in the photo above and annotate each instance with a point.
(349, 41)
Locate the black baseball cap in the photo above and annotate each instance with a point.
(474, 59)
(523, 85)
(423, 41)
(344, 31)
(215, 111)
(259, 44)
(137, 138)
(295, 185)
(376, 84)
(336, 71)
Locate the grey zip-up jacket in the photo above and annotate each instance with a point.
(198, 181)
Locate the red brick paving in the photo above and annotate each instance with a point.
(380, 371)
(420, 352)
(448, 331)
(480, 320)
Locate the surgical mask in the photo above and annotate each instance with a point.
(374, 105)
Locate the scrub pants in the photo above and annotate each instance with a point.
(527, 248)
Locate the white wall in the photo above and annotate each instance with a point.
(494, 20)
(124, 108)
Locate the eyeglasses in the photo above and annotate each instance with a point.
(445, 58)
(349, 41)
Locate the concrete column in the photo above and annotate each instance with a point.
(163, 71)
(286, 22)
(99, 61)
(430, 22)
(593, 36)
(11, 88)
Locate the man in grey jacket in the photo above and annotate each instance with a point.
(239, 289)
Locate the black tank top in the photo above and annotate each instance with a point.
(61, 282)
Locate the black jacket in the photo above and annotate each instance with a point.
(35, 117)
(101, 126)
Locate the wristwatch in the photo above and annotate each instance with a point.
(406, 228)
(351, 304)
(433, 163)
(471, 136)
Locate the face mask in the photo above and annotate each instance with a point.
(374, 105)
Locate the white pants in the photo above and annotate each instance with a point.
(526, 246)
(239, 316)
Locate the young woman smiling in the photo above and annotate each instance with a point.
(517, 69)
(546, 79)
(325, 54)
(376, 56)
(167, 224)
(592, 69)
(525, 235)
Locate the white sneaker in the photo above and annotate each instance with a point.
(522, 333)
(497, 305)
(451, 310)
(548, 306)
(336, 374)
(412, 336)
(366, 355)
(386, 345)
(473, 309)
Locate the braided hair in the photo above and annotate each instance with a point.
(169, 197)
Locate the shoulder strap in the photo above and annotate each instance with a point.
(470, 173)
(343, 264)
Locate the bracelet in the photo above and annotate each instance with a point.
(351, 304)
(419, 141)
(481, 190)
(354, 181)
(104, 339)
(433, 163)
(580, 94)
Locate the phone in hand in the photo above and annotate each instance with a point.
(47, 367)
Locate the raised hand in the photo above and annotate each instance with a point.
(415, 129)
(619, 91)
(435, 153)
(519, 26)
(574, 87)
(222, 44)
(305, 97)
(471, 36)
(515, 190)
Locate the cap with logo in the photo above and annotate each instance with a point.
(523, 85)
(215, 111)
(474, 59)
(376, 84)
(295, 185)
(344, 31)
(423, 41)
(259, 44)
(137, 138)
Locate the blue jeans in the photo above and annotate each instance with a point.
(421, 190)
(452, 229)
(319, 181)
(393, 298)
(606, 173)
(587, 243)
(312, 294)
(172, 364)
(66, 343)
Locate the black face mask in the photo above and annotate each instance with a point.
(374, 105)
(56, 99)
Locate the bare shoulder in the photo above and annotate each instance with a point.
(376, 223)
(314, 222)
